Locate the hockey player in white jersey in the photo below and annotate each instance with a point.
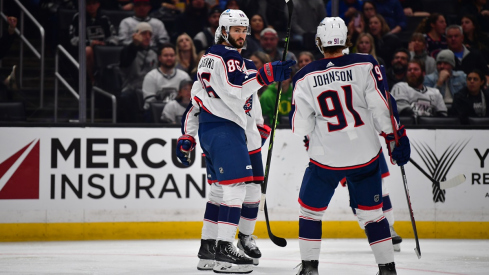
(225, 89)
(340, 103)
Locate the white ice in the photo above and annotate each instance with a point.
(338, 256)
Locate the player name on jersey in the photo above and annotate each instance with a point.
(207, 62)
(328, 77)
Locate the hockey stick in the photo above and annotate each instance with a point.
(263, 205)
(417, 250)
(455, 181)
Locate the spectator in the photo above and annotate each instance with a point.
(269, 44)
(413, 8)
(304, 59)
(257, 24)
(480, 9)
(193, 19)
(368, 10)
(347, 9)
(141, 11)
(471, 101)
(397, 72)
(274, 12)
(393, 14)
(359, 24)
(365, 44)
(269, 97)
(163, 82)
(99, 32)
(176, 107)
(415, 99)
(8, 84)
(186, 53)
(474, 38)
(466, 60)
(205, 38)
(433, 27)
(445, 79)
(417, 49)
(311, 13)
(260, 59)
(385, 43)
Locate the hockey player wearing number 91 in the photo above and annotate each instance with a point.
(340, 103)
(225, 87)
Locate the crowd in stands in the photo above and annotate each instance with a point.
(437, 63)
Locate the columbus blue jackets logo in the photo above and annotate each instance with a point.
(248, 105)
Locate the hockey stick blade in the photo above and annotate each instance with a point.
(455, 181)
(276, 240)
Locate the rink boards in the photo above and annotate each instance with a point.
(126, 183)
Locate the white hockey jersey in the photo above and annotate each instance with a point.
(341, 104)
(425, 102)
(226, 84)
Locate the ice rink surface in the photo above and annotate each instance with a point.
(338, 256)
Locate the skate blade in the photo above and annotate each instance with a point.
(397, 247)
(206, 264)
(227, 268)
(256, 261)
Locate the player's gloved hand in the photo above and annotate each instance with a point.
(401, 153)
(306, 142)
(275, 71)
(185, 145)
(264, 132)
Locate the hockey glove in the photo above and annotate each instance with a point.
(185, 145)
(306, 142)
(264, 132)
(275, 71)
(399, 154)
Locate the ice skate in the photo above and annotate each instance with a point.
(387, 269)
(396, 240)
(308, 268)
(206, 254)
(247, 245)
(228, 259)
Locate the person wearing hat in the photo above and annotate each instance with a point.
(137, 59)
(177, 106)
(205, 38)
(127, 26)
(269, 44)
(445, 79)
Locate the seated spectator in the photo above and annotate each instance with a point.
(471, 101)
(393, 14)
(141, 11)
(177, 106)
(8, 84)
(186, 53)
(478, 8)
(257, 24)
(347, 9)
(311, 13)
(433, 28)
(205, 38)
(466, 60)
(415, 99)
(445, 79)
(193, 19)
(365, 44)
(385, 43)
(269, 44)
(99, 32)
(162, 84)
(137, 59)
(417, 49)
(398, 69)
(474, 38)
(304, 59)
(359, 24)
(269, 96)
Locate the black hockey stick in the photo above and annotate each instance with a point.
(263, 204)
(417, 250)
(455, 181)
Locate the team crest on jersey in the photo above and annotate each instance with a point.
(248, 105)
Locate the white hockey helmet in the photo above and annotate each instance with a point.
(332, 31)
(231, 18)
